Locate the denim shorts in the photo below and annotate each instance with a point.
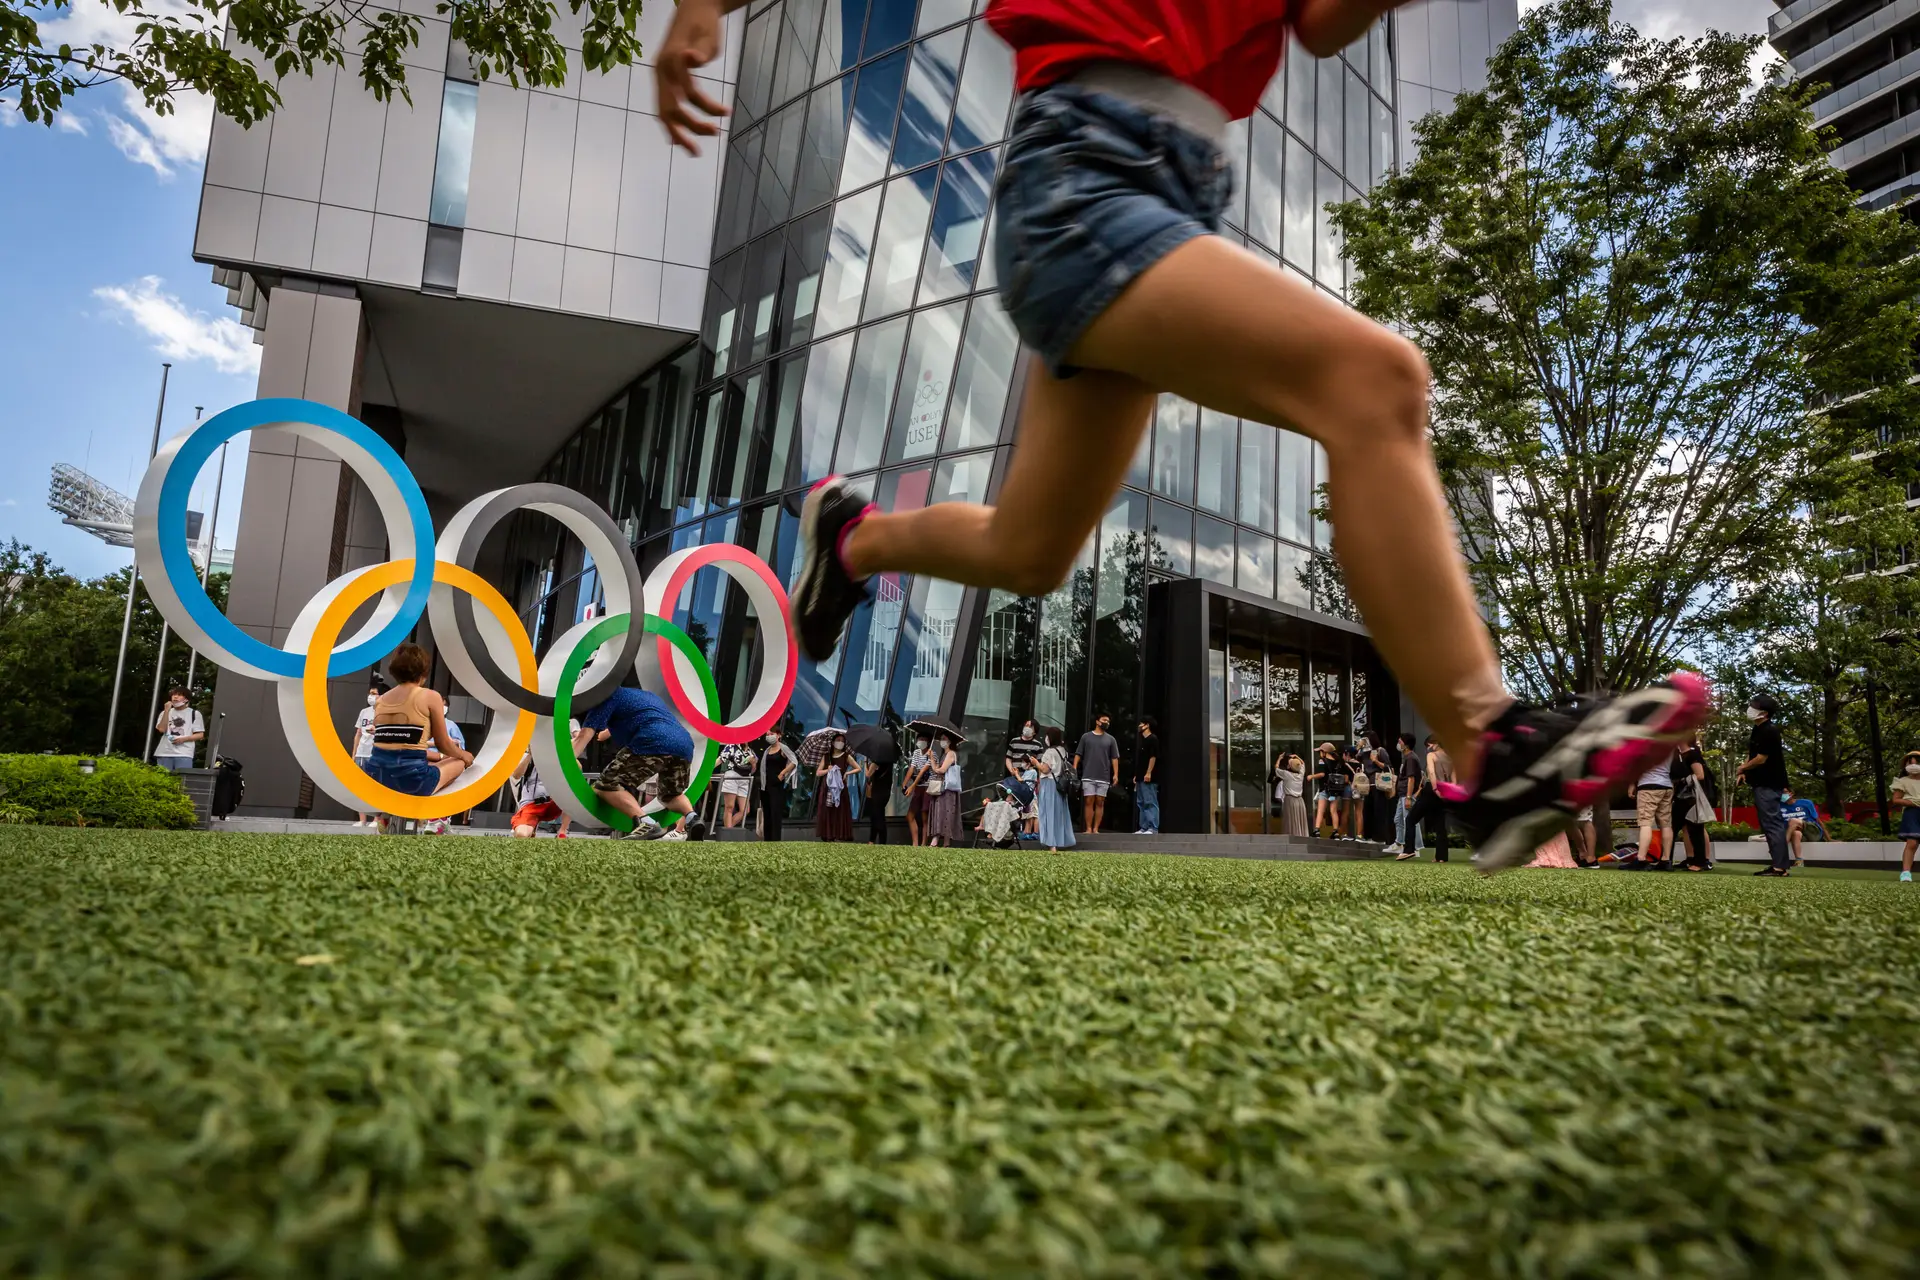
(1094, 190)
(406, 770)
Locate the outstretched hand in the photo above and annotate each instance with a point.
(691, 42)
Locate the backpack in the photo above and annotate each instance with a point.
(1064, 777)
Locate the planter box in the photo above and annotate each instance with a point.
(1883, 854)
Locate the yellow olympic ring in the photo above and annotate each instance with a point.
(378, 798)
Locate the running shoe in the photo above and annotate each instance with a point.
(1541, 767)
(1906, 877)
(825, 594)
(696, 830)
(675, 836)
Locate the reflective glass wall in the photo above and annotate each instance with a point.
(852, 327)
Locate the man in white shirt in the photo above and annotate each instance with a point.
(179, 727)
(363, 741)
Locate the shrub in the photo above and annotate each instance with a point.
(1841, 829)
(1730, 831)
(119, 793)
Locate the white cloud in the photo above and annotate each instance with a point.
(181, 333)
(1664, 20)
(162, 143)
(9, 502)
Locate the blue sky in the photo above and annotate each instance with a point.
(99, 287)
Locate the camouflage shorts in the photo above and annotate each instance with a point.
(627, 771)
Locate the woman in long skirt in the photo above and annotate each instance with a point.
(1056, 820)
(833, 795)
(1290, 784)
(943, 810)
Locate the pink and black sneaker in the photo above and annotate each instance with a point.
(824, 593)
(1542, 767)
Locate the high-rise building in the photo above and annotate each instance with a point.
(1867, 54)
(515, 285)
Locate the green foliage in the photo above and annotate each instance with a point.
(1730, 831)
(119, 793)
(183, 47)
(1841, 829)
(59, 639)
(1634, 274)
(257, 1056)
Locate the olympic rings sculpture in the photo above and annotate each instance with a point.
(485, 648)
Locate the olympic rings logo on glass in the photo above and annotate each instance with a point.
(486, 649)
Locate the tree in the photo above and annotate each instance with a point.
(182, 46)
(59, 639)
(1656, 318)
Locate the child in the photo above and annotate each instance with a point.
(1906, 797)
(1105, 223)
(535, 803)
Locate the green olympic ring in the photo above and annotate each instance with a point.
(574, 776)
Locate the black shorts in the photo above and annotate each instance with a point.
(627, 771)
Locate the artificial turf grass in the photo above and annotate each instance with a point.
(592, 1058)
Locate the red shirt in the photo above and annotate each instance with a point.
(1227, 49)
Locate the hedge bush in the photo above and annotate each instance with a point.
(51, 790)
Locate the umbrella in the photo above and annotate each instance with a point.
(818, 743)
(929, 726)
(875, 743)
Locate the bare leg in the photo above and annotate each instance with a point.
(1906, 855)
(1223, 327)
(524, 831)
(449, 770)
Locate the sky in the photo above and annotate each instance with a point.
(100, 286)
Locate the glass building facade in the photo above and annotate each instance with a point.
(851, 326)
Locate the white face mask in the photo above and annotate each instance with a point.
(920, 744)
(372, 698)
(1026, 731)
(1913, 770)
(1756, 715)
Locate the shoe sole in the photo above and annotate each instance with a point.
(806, 587)
(1520, 838)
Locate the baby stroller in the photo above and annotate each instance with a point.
(1003, 819)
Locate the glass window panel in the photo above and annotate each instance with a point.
(902, 239)
(736, 190)
(1122, 554)
(1380, 56)
(1060, 657)
(742, 432)
(872, 636)
(989, 275)
(1213, 550)
(986, 92)
(1258, 445)
(773, 195)
(889, 23)
(930, 84)
(1286, 703)
(1213, 474)
(935, 14)
(1295, 570)
(876, 372)
(1140, 469)
(1300, 80)
(1359, 129)
(922, 402)
(957, 235)
(1266, 200)
(1382, 139)
(849, 247)
(800, 284)
(453, 161)
(875, 103)
(1247, 740)
(1174, 427)
(1234, 147)
(820, 405)
(1322, 531)
(963, 479)
(927, 645)
(756, 67)
(1256, 563)
(1326, 254)
(760, 299)
(723, 311)
(773, 462)
(1217, 735)
(826, 143)
(1297, 208)
(980, 385)
(799, 29)
(840, 37)
(1172, 538)
(1329, 700)
(1294, 499)
(707, 430)
(1329, 132)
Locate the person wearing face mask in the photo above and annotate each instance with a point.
(363, 741)
(777, 767)
(1905, 794)
(943, 814)
(916, 788)
(1765, 770)
(734, 772)
(179, 727)
(833, 795)
(1696, 792)
(1798, 812)
(1097, 761)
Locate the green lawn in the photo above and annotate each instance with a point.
(246, 1055)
